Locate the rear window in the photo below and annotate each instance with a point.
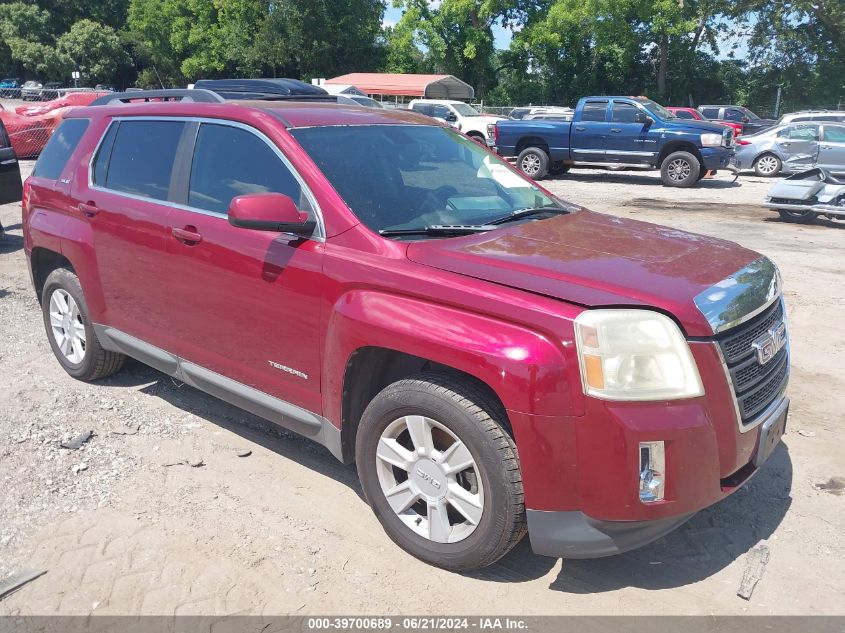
(594, 111)
(142, 157)
(710, 113)
(56, 153)
(684, 114)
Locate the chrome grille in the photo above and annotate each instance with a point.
(755, 386)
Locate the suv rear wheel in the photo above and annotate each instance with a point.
(680, 169)
(441, 472)
(70, 332)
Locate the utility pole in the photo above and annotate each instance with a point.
(777, 101)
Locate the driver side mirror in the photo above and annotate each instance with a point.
(451, 117)
(643, 118)
(269, 212)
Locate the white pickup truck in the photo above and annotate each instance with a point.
(460, 116)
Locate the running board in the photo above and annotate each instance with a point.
(279, 412)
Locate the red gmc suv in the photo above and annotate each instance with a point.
(494, 359)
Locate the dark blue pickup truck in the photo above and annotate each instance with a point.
(618, 131)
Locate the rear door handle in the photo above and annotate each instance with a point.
(88, 209)
(580, 129)
(188, 235)
(615, 129)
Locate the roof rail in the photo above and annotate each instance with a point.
(197, 95)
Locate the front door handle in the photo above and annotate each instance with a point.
(188, 235)
(615, 129)
(580, 129)
(88, 209)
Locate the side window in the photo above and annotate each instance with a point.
(731, 114)
(834, 134)
(229, 161)
(440, 112)
(142, 157)
(594, 111)
(101, 162)
(801, 132)
(423, 108)
(57, 152)
(683, 114)
(624, 112)
(5, 141)
(710, 113)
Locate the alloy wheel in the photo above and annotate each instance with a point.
(67, 326)
(530, 164)
(430, 479)
(767, 165)
(679, 170)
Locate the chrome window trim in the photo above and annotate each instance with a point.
(714, 302)
(320, 232)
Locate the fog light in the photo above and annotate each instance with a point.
(652, 471)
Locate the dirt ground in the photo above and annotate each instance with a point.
(285, 530)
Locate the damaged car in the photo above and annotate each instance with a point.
(793, 148)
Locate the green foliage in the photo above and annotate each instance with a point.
(93, 49)
(677, 51)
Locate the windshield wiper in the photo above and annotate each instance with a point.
(439, 229)
(524, 213)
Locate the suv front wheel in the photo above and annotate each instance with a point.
(441, 472)
(70, 332)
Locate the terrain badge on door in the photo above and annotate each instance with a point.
(289, 370)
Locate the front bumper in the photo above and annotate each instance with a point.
(717, 157)
(572, 534)
(576, 534)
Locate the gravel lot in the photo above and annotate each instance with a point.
(285, 530)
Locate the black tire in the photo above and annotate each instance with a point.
(798, 217)
(478, 138)
(479, 422)
(680, 169)
(558, 168)
(767, 165)
(96, 362)
(533, 162)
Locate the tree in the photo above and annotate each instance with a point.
(26, 40)
(93, 49)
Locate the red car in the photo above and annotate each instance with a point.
(495, 360)
(70, 99)
(692, 113)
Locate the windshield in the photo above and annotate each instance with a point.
(412, 176)
(750, 114)
(657, 109)
(465, 110)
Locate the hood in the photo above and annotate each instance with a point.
(693, 124)
(594, 260)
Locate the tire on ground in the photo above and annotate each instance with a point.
(799, 217)
(533, 162)
(680, 169)
(96, 362)
(767, 165)
(480, 422)
(558, 167)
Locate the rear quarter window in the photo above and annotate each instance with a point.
(141, 159)
(59, 148)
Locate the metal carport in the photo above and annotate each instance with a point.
(408, 85)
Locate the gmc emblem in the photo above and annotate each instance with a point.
(768, 345)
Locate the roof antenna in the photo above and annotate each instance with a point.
(161, 83)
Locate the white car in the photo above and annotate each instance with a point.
(460, 116)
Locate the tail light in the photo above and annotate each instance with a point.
(741, 141)
(491, 131)
(27, 191)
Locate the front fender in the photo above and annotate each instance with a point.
(530, 373)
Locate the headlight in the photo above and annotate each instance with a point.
(711, 140)
(634, 355)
